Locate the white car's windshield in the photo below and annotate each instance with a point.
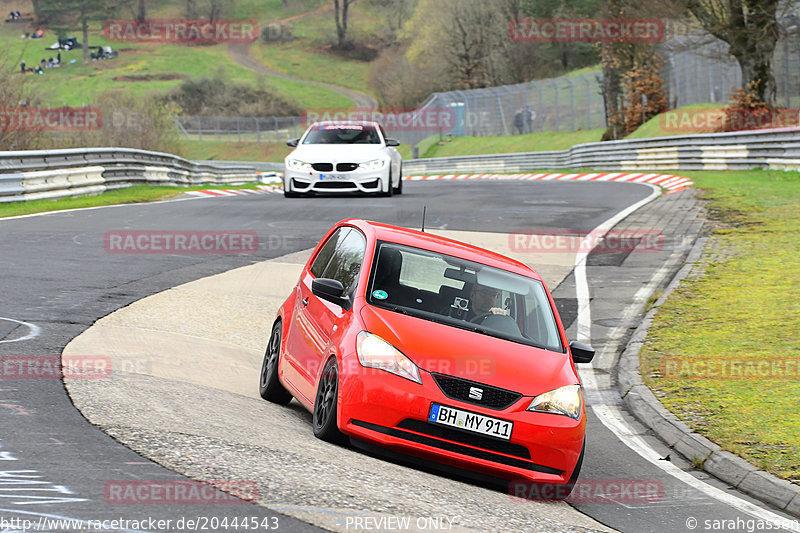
(342, 134)
(464, 294)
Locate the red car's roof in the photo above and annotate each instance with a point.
(429, 241)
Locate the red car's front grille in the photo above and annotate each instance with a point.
(471, 439)
(461, 389)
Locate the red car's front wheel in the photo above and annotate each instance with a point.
(326, 405)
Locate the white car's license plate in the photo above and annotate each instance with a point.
(457, 418)
(332, 177)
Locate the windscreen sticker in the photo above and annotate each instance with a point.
(380, 295)
(341, 127)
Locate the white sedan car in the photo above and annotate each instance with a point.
(343, 157)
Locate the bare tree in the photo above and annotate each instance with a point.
(750, 28)
(394, 15)
(467, 38)
(341, 8)
(16, 94)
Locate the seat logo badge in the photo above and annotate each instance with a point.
(475, 393)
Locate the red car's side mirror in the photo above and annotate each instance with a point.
(330, 290)
(581, 353)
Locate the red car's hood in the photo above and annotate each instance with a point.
(457, 352)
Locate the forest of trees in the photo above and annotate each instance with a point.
(439, 45)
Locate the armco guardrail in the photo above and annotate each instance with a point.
(775, 149)
(54, 173)
(37, 174)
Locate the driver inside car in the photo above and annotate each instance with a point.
(482, 301)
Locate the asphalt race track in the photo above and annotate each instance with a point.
(58, 279)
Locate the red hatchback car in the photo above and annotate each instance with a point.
(408, 342)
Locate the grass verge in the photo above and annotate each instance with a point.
(533, 142)
(723, 352)
(129, 195)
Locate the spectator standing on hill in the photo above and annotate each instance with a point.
(519, 124)
(22, 67)
(528, 115)
(58, 57)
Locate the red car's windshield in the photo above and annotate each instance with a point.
(464, 294)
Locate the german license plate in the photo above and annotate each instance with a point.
(474, 422)
(334, 177)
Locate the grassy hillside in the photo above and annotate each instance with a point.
(148, 67)
(533, 142)
(682, 121)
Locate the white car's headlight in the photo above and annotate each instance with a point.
(565, 401)
(296, 164)
(375, 164)
(374, 352)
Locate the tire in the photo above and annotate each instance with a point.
(269, 387)
(288, 193)
(574, 477)
(326, 405)
(399, 188)
(389, 189)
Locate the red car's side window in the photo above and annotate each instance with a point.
(324, 256)
(341, 258)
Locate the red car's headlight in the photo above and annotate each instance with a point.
(374, 352)
(565, 401)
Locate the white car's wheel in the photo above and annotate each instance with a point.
(399, 188)
(389, 188)
(288, 192)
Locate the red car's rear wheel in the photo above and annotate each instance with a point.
(268, 386)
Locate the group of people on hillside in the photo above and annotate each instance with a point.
(43, 64)
(38, 34)
(14, 15)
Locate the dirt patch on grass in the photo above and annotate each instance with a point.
(353, 51)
